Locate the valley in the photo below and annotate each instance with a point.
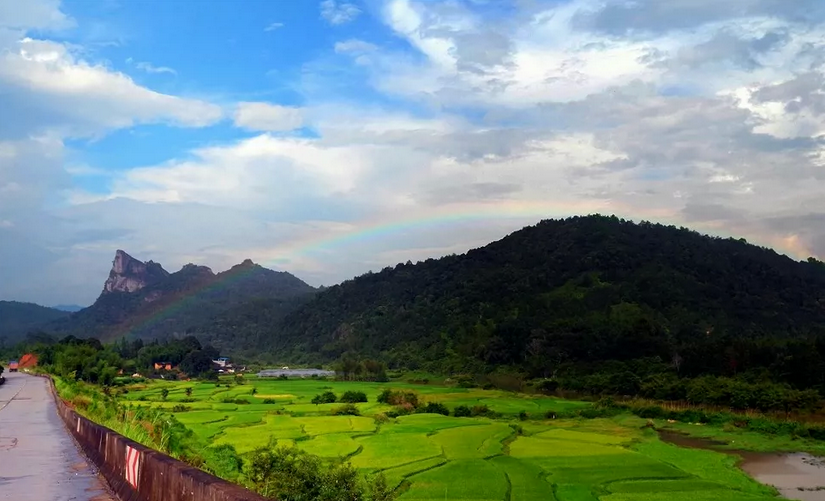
(515, 453)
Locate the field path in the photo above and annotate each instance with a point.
(39, 460)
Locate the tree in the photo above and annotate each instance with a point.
(164, 393)
(188, 391)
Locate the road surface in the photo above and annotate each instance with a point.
(39, 460)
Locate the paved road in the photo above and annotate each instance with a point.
(39, 461)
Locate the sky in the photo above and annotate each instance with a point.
(332, 138)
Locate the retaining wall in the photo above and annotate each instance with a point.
(138, 473)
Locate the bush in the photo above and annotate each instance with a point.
(522, 415)
(181, 408)
(346, 410)
(401, 410)
(462, 411)
(326, 397)
(480, 410)
(435, 408)
(548, 386)
(292, 474)
(240, 401)
(269, 401)
(398, 397)
(353, 397)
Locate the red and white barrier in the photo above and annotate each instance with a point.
(132, 466)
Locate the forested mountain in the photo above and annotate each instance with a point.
(143, 300)
(573, 295)
(18, 318)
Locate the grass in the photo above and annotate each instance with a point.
(435, 457)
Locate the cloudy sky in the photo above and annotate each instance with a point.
(331, 138)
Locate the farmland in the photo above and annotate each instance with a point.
(432, 456)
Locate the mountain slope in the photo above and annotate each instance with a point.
(17, 319)
(575, 291)
(142, 299)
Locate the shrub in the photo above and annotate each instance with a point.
(283, 377)
(435, 408)
(292, 474)
(522, 415)
(240, 401)
(548, 386)
(187, 400)
(480, 410)
(381, 418)
(398, 397)
(181, 408)
(326, 397)
(462, 411)
(346, 410)
(269, 401)
(353, 397)
(517, 428)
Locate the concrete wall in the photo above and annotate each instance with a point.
(159, 477)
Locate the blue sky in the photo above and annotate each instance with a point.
(329, 138)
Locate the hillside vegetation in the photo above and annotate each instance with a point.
(574, 297)
(16, 319)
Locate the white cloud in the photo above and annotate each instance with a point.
(149, 68)
(268, 117)
(336, 12)
(354, 45)
(274, 26)
(49, 89)
(693, 113)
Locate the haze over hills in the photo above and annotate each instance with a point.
(71, 308)
(144, 300)
(16, 319)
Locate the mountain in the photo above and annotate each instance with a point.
(16, 319)
(574, 293)
(71, 308)
(144, 300)
(130, 275)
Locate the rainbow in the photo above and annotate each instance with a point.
(323, 237)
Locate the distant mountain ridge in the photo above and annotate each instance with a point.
(144, 300)
(16, 319)
(70, 308)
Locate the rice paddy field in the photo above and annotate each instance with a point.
(436, 457)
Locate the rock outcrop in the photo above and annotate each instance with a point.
(130, 275)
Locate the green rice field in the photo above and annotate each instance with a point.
(436, 457)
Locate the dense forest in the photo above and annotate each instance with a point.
(597, 303)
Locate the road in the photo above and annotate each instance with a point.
(39, 460)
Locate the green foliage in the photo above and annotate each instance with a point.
(462, 411)
(353, 397)
(290, 474)
(346, 410)
(434, 408)
(404, 397)
(594, 304)
(164, 393)
(326, 397)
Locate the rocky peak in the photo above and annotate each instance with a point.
(130, 275)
